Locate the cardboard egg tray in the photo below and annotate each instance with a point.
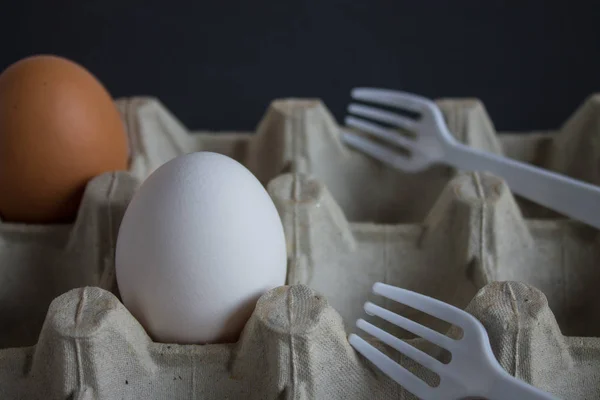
(529, 275)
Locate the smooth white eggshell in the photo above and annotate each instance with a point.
(199, 243)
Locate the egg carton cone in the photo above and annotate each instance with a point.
(528, 275)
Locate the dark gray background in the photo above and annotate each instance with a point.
(217, 65)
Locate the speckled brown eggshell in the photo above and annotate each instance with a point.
(59, 128)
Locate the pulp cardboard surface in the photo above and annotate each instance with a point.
(529, 275)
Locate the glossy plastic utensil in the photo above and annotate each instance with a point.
(433, 143)
(473, 370)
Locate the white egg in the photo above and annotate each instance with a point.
(200, 242)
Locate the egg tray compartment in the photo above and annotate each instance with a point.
(349, 221)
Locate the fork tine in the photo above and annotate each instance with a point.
(426, 333)
(400, 121)
(391, 368)
(382, 133)
(377, 151)
(394, 98)
(426, 304)
(417, 355)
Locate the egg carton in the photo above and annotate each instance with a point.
(527, 274)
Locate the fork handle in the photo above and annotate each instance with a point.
(573, 198)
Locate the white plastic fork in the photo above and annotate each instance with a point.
(433, 143)
(473, 370)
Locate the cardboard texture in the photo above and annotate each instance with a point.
(529, 275)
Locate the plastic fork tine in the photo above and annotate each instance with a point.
(425, 304)
(377, 151)
(417, 355)
(387, 117)
(397, 99)
(426, 333)
(380, 132)
(391, 368)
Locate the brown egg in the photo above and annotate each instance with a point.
(59, 128)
